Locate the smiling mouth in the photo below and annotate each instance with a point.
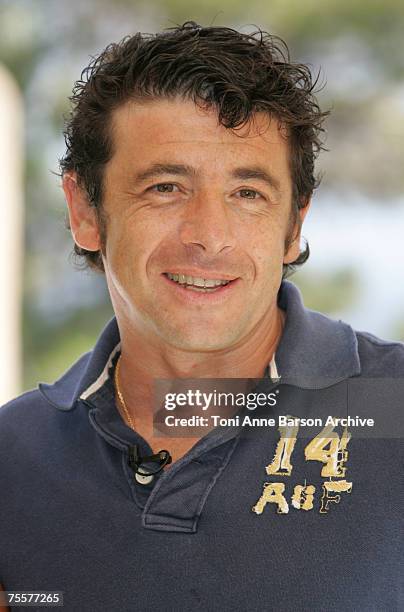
(192, 283)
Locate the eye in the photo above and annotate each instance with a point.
(249, 194)
(164, 188)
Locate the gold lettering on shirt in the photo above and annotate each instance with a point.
(328, 448)
(281, 465)
(272, 494)
(333, 486)
(302, 498)
(334, 456)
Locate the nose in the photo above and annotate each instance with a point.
(206, 224)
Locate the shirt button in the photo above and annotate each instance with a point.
(144, 479)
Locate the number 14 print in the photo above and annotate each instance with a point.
(328, 448)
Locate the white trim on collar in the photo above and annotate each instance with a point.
(102, 377)
(273, 370)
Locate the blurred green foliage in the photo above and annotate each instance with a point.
(329, 292)
(54, 347)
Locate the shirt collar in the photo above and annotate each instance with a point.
(314, 352)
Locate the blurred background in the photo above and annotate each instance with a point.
(51, 311)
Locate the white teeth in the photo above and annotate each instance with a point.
(196, 281)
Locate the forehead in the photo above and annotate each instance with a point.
(178, 125)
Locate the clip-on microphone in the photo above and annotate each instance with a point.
(135, 461)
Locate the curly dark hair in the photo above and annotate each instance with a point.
(235, 73)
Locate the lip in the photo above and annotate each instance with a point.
(199, 297)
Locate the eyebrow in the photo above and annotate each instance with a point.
(156, 170)
(259, 174)
(243, 173)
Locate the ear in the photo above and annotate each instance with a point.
(293, 251)
(82, 216)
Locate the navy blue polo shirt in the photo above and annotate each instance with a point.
(251, 518)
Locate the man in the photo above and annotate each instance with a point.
(188, 174)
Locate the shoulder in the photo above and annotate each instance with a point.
(23, 409)
(28, 419)
(24, 433)
(380, 357)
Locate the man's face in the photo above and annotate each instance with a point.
(186, 196)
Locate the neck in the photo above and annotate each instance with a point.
(142, 361)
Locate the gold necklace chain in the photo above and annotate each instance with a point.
(119, 393)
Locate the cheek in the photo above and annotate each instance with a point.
(267, 247)
(130, 244)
